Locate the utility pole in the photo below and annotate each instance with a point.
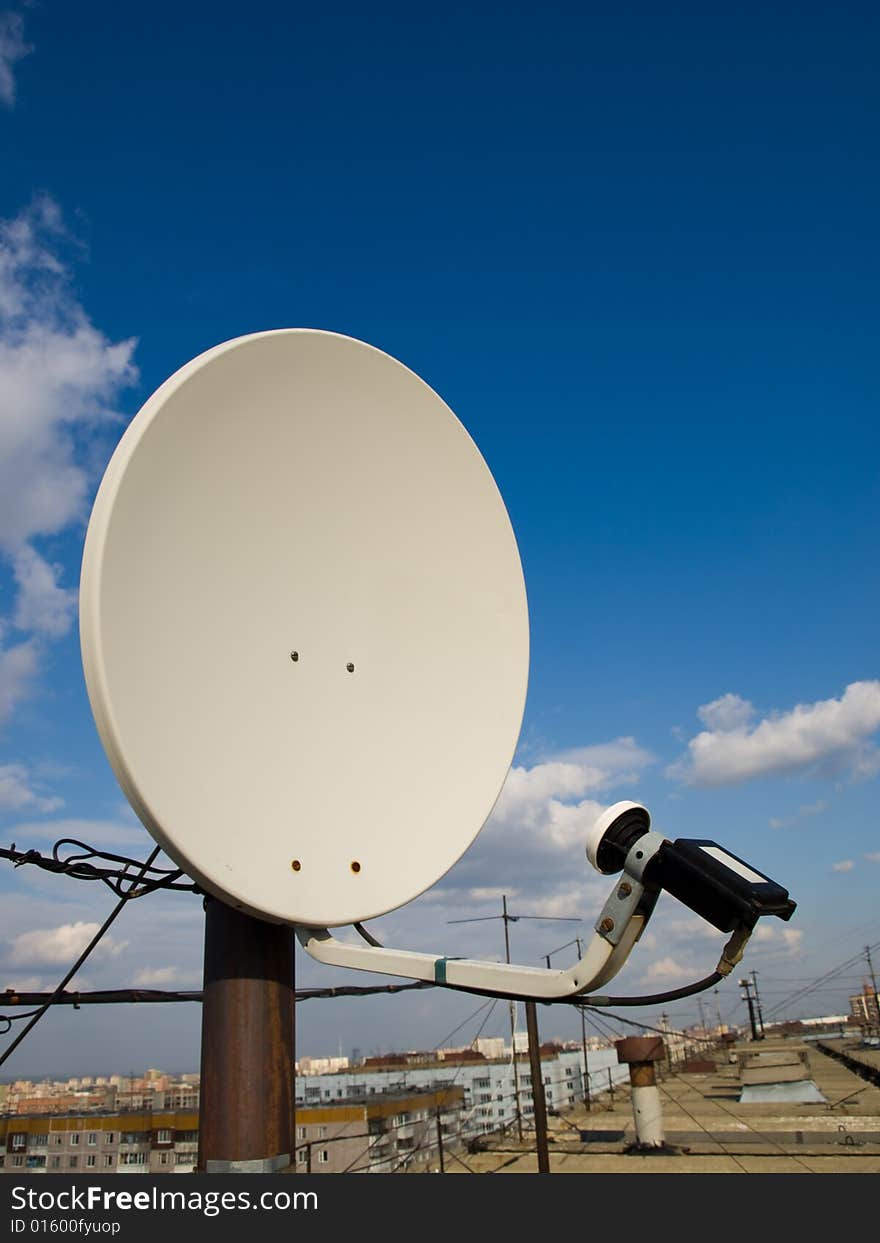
(539, 1104)
(873, 1021)
(718, 1011)
(440, 1140)
(512, 1005)
(754, 976)
(247, 1066)
(667, 1043)
(702, 1016)
(747, 997)
(512, 919)
(587, 1102)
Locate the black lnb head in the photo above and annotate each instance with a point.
(722, 888)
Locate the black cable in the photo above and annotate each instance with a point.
(131, 892)
(668, 1031)
(651, 999)
(800, 994)
(79, 867)
(367, 936)
(360, 990)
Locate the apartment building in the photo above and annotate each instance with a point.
(109, 1143)
(491, 1090)
(379, 1134)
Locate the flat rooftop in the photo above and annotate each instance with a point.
(709, 1131)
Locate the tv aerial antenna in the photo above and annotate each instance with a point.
(305, 642)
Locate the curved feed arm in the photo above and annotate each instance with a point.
(622, 921)
(720, 887)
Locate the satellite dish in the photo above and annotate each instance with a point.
(304, 627)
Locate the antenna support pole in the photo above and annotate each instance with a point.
(247, 1068)
(539, 1101)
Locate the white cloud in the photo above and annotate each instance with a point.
(873, 856)
(92, 832)
(16, 792)
(12, 49)
(615, 761)
(41, 606)
(809, 809)
(532, 847)
(488, 893)
(59, 946)
(831, 732)
(728, 712)
(58, 378)
(57, 373)
(18, 668)
(771, 933)
(690, 927)
(668, 969)
(156, 977)
(548, 800)
(845, 865)
(23, 984)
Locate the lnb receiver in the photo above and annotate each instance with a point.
(719, 886)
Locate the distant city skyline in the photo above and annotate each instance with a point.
(636, 253)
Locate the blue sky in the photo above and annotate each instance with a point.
(637, 255)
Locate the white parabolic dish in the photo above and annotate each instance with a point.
(304, 627)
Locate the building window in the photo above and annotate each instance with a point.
(39, 1141)
(323, 1156)
(163, 1158)
(91, 1139)
(75, 1138)
(72, 1162)
(19, 1140)
(163, 1136)
(322, 1132)
(16, 1161)
(301, 1156)
(132, 1158)
(108, 1158)
(300, 1132)
(54, 1163)
(91, 1160)
(58, 1140)
(109, 1137)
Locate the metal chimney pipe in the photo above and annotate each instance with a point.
(640, 1053)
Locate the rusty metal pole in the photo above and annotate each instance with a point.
(512, 1003)
(539, 1104)
(440, 1141)
(247, 1067)
(641, 1052)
